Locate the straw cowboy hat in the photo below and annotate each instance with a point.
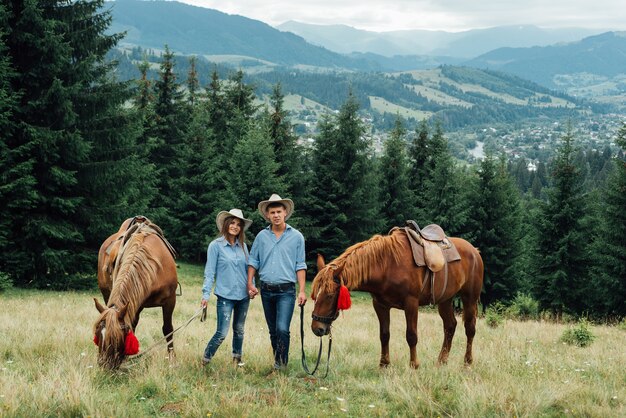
(221, 217)
(274, 198)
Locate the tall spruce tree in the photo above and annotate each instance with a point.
(292, 159)
(495, 223)
(420, 168)
(346, 210)
(171, 120)
(199, 188)
(609, 276)
(65, 191)
(117, 182)
(562, 260)
(254, 174)
(46, 149)
(444, 200)
(396, 197)
(8, 101)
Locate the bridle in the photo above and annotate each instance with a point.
(328, 320)
(335, 313)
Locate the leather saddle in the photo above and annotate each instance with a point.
(430, 246)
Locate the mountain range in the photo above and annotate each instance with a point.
(569, 60)
(466, 44)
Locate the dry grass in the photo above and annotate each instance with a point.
(48, 367)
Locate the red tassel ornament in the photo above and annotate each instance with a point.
(131, 344)
(344, 302)
(96, 340)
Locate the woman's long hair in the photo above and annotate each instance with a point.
(242, 234)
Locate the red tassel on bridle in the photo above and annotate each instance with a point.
(344, 302)
(96, 340)
(131, 344)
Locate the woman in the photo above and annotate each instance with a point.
(226, 267)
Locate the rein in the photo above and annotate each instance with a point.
(200, 312)
(319, 353)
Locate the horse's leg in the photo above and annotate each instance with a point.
(410, 312)
(382, 312)
(446, 312)
(470, 309)
(168, 327)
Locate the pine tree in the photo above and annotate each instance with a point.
(610, 249)
(168, 135)
(8, 101)
(346, 210)
(396, 198)
(444, 201)
(199, 189)
(117, 181)
(46, 149)
(292, 160)
(562, 261)
(420, 168)
(495, 223)
(254, 174)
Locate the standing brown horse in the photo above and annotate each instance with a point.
(136, 270)
(384, 267)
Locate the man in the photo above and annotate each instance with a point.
(278, 255)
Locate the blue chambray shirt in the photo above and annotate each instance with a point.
(278, 260)
(226, 265)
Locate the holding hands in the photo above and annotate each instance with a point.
(252, 291)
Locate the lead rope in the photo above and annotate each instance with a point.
(200, 312)
(319, 353)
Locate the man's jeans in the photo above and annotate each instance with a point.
(278, 305)
(226, 308)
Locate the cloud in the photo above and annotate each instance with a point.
(450, 15)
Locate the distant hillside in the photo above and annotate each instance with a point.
(459, 96)
(601, 56)
(194, 30)
(467, 44)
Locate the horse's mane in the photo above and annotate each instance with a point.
(357, 261)
(134, 274)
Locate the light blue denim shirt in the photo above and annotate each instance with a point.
(278, 260)
(226, 265)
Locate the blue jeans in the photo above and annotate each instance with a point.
(278, 306)
(226, 308)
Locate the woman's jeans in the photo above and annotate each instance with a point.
(278, 305)
(226, 308)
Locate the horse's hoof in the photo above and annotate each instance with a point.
(415, 365)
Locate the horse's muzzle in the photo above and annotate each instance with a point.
(320, 330)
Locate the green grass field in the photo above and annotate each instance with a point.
(48, 367)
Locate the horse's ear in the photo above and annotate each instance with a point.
(337, 271)
(122, 313)
(320, 262)
(99, 306)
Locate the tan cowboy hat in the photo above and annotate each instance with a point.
(221, 217)
(274, 198)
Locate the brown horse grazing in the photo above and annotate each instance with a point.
(384, 267)
(136, 270)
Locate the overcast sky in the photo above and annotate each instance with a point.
(448, 15)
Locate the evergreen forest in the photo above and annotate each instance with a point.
(82, 150)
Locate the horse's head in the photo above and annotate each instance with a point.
(111, 335)
(325, 293)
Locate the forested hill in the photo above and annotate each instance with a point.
(195, 30)
(459, 96)
(600, 56)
